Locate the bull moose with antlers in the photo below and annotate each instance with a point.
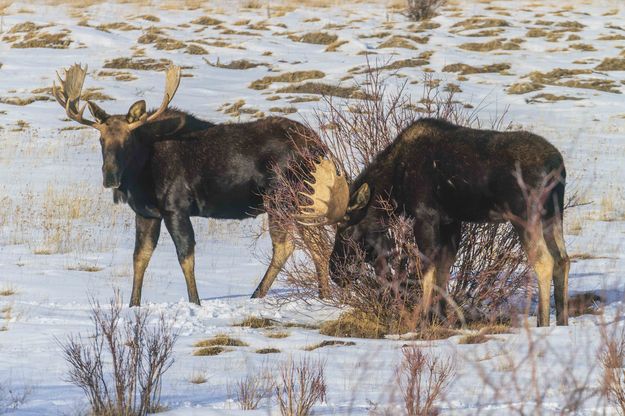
(442, 174)
(169, 166)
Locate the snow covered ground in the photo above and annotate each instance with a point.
(62, 240)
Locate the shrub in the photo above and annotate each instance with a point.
(423, 9)
(120, 366)
(300, 385)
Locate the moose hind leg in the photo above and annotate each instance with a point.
(541, 260)
(282, 245)
(146, 238)
(181, 230)
(555, 243)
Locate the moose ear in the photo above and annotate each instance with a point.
(360, 198)
(97, 113)
(136, 112)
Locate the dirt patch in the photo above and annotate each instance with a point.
(236, 64)
(206, 21)
(405, 42)
(550, 98)
(324, 89)
(491, 45)
(296, 76)
(464, 69)
(44, 40)
(329, 343)
(317, 38)
(144, 64)
(611, 64)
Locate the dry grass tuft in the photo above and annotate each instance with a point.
(277, 334)
(324, 89)
(334, 46)
(8, 291)
(195, 50)
(550, 98)
(317, 38)
(524, 87)
(220, 340)
(474, 339)
(206, 21)
(354, 324)
(257, 322)
(464, 69)
(296, 76)
(405, 42)
(490, 46)
(44, 40)
(611, 64)
(267, 351)
(585, 304)
(479, 23)
(329, 343)
(236, 64)
(208, 351)
(144, 64)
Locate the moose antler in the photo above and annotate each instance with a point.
(172, 81)
(68, 94)
(330, 196)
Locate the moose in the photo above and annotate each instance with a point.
(441, 175)
(169, 166)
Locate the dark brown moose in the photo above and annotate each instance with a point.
(169, 166)
(442, 174)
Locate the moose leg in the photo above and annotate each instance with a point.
(541, 260)
(427, 237)
(555, 243)
(283, 247)
(320, 253)
(181, 230)
(146, 238)
(450, 239)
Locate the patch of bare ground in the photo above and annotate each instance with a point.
(486, 33)
(324, 89)
(122, 26)
(404, 42)
(118, 75)
(317, 38)
(615, 36)
(524, 87)
(296, 76)
(144, 64)
(329, 343)
(236, 64)
(155, 36)
(496, 44)
(550, 98)
(464, 69)
(582, 47)
(611, 64)
(568, 78)
(59, 40)
(478, 23)
(22, 101)
(206, 21)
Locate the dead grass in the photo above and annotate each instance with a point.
(611, 64)
(22, 101)
(334, 46)
(257, 322)
(8, 290)
(490, 46)
(44, 40)
(195, 50)
(616, 36)
(582, 47)
(317, 38)
(479, 23)
(208, 351)
(267, 351)
(277, 334)
(585, 304)
(405, 42)
(323, 89)
(524, 87)
(354, 324)
(236, 64)
(198, 378)
(550, 98)
(143, 64)
(118, 75)
(295, 76)
(82, 267)
(329, 343)
(206, 21)
(431, 333)
(220, 340)
(283, 110)
(568, 78)
(474, 339)
(464, 69)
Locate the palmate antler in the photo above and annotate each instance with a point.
(330, 196)
(68, 94)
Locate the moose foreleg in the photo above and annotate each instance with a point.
(320, 253)
(146, 238)
(543, 266)
(283, 247)
(181, 230)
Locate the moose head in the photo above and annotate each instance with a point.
(117, 132)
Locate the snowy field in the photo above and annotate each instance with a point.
(62, 240)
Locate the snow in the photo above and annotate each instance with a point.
(45, 171)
